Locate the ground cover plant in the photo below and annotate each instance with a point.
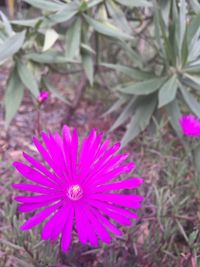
(128, 69)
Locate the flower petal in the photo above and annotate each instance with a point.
(55, 224)
(111, 212)
(33, 188)
(55, 152)
(84, 228)
(29, 207)
(100, 179)
(110, 226)
(129, 201)
(98, 228)
(36, 199)
(126, 184)
(41, 168)
(39, 217)
(34, 175)
(67, 231)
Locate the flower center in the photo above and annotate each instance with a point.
(75, 192)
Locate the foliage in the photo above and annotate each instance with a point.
(168, 73)
(64, 35)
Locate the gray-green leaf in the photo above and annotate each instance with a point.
(141, 118)
(167, 92)
(11, 46)
(192, 103)
(143, 88)
(88, 66)
(106, 29)
(46, 5)
(48, 57)
(133, 73)
(13, 96)
(73, 39)
(27, 78)
(134, 3)
(174, 116)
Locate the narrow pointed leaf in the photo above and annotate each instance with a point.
(125, 114)
(88, 66)
(46, 5)
(118, 16)
(174, 116)
(48, 57)
(73, 39)
(191, 101)
(182, 23)
(141, 118)
(128, 71)
(13, 96)
(62, 15)
(194, 78)
(167, 92)
(143, 88)
(106, 29)
(134, 3)
(11, 46)
(27, 78)
(7, 24)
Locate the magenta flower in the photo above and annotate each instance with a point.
(76, 188)
(190, 125)
(43, 96)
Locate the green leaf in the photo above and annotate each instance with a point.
(13, 96)
(48, 57)
(182, 23)
(11, 46)
(193, 27)
(143, 88)
(167, 92)
(53, 90)
(168, 44)
(61, 16)
(7, 24)
(46, 5)
(192, 103)
(195, 5)
(27, 22)
(165, 10)
(193, 78)
(106, 28)
(174, 115)
(27, 78)
(116, 105)
(196, 158)
(130, 72)
(118, 16)
(88, 66)
(125, 114)
(134, 3)
(194, 47)
(93, 3)
(190, 84)
(73, 39)
(133, 55)
(141, 118)
(87, 48)
(50, 38)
